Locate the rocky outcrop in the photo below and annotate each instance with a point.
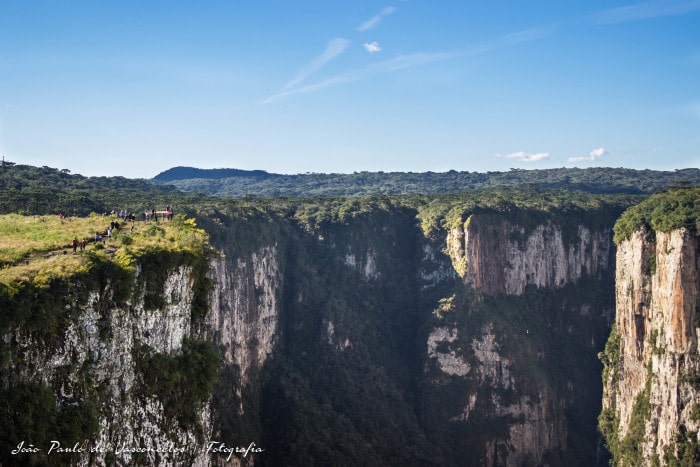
(359, 336)
(94, 361)
(652, 390)
(495, 255)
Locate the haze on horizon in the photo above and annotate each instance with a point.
(133, 88)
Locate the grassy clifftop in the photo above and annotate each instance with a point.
(38, 249)
(42, 281)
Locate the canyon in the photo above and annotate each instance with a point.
(378, 331)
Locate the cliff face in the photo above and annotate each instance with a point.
(651, 411)
(95, 366)
(513, 346)
(245, 308)
(495, 255)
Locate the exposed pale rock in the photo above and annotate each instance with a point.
(245, 308)
(127, 420)
(434, 269)
(657, 289)
(449, 362)
(367, 265)
(495, 255)
(493, 369)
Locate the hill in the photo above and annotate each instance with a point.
(238, 183)
(27, 189)
(185, 173)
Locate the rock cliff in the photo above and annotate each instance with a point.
(83, 367)
(652, 393)
(495, 255)
(513, 346)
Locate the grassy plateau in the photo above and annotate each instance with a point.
(39, 248)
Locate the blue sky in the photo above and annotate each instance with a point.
(132, 88)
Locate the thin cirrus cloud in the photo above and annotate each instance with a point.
(527, 156)
(334, 48)
(388, 66)
(405, 61)
(374, 21)
(592, 156)
(647, 10)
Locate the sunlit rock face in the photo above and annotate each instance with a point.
(652, 388)
(494, 255)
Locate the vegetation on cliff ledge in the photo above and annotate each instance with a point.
(182, 382)
(679, 207)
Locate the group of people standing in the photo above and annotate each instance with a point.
(153, 214)
(82, 244)
(125, 215)
(99, 236)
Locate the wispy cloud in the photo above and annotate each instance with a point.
(374, 21)
(372, 47)
(592, 156)
(646, 10)
(526, 156)
(334, 48)
(398, 63)
(403, 62)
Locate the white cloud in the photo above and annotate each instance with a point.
(527, 156)
(646, 10)
(372, 47)
(334, 48)
(374, 21)
(592, 156)
(596, 153)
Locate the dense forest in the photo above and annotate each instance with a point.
(675, 208)
(237, 183)
(27, 189)
(45, 190)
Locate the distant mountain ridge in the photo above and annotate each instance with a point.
(184, 173)
(237, 183)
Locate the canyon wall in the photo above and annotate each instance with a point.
(511, 370)
(652, 389)
(81, 365)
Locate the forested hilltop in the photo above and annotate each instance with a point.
(26, 189)
(33, 190)
(237, 183)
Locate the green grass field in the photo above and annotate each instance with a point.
(38, 248)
